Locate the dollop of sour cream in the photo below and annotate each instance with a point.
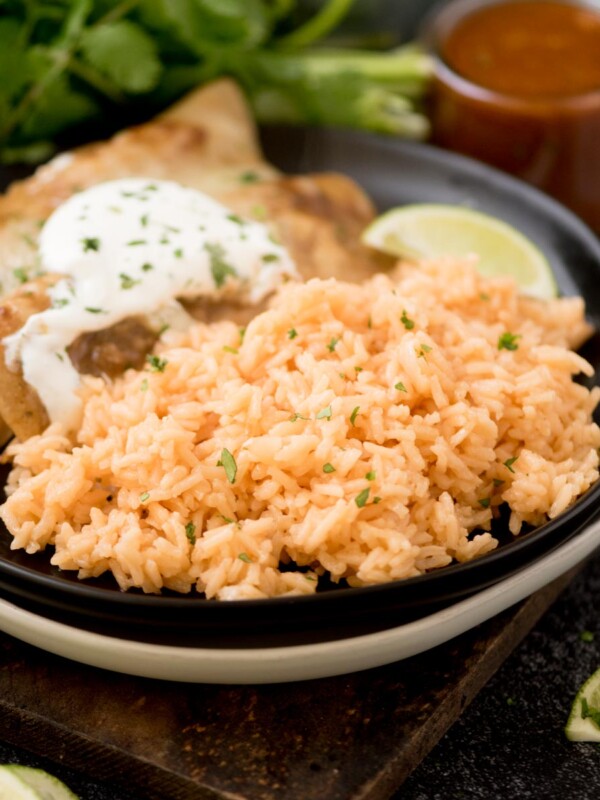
(132, 247)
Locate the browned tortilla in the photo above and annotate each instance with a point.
(209, 142)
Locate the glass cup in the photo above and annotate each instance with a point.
(552, 142)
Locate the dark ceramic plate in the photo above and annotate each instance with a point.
(393, 173)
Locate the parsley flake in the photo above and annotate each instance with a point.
(408, 323)
(228, 463)
(497, 482)
(229, 349)
(371, 475)
(358, 369)
(332, 343)
(508, 341)
(292, 333)
(144, 220)
(20, 274)
(235, 218)
(328, 468)
(324, 413)
(144, 385)
(424, 348)
(484, 502)
(156, 363)
(60, 302)
(178, 253)
(268, 258)
(190, 532)
(144, 496)
(509, 462)
(147, 267)
(400, 387)
(376, 500)
(354, 414)
(245, 558)
(136, 242)
(361, 499)
(93, 310)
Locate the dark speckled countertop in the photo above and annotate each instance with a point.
(509, 744)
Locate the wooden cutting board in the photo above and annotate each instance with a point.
(346, 738)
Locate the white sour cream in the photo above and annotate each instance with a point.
(131, 247)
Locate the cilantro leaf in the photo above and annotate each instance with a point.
(125, 53)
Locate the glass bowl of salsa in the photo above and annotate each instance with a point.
(517, 85)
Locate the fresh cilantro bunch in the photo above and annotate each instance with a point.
(73, 64)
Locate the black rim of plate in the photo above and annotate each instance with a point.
(447, 583)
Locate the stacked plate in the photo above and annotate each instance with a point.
(339, 629)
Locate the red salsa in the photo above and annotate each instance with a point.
(518, 85)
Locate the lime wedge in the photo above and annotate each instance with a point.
(583, 724)
(431, 231)
(27, 783)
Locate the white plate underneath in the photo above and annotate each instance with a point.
(300, 662)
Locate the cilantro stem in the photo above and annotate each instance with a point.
(318, 26)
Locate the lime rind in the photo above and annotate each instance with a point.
(18, 782)
(429, 230)
(583, 723)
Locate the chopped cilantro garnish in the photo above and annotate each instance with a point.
(60, 302)
(324, 413)
(242, 334)
(235, 218)
(229, 349)
(144, 385)
(93, 310)
(361, 499)
(371, 475)
(292, 333)
(178, 253)
(295, 417)
(328, 468)
(228, 520)
(498, 482)
(20, 274)
(60, 356)
(157, 364)
(509, 462)
(249, 177)
(358, 369)
(90, 243)
(406, 321)
(508, 341)
(400, 387)
(270, 257)
(310, 578)
(147, 267)
(228, 463)
(332, 343)
(144, 496)
(190, 532)
(144, 220)
(245, 558)
(127, 282)
(218, 266)
(136, 242)
(354, 414)
(424, 348)
(376, 500)
(485, 502)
